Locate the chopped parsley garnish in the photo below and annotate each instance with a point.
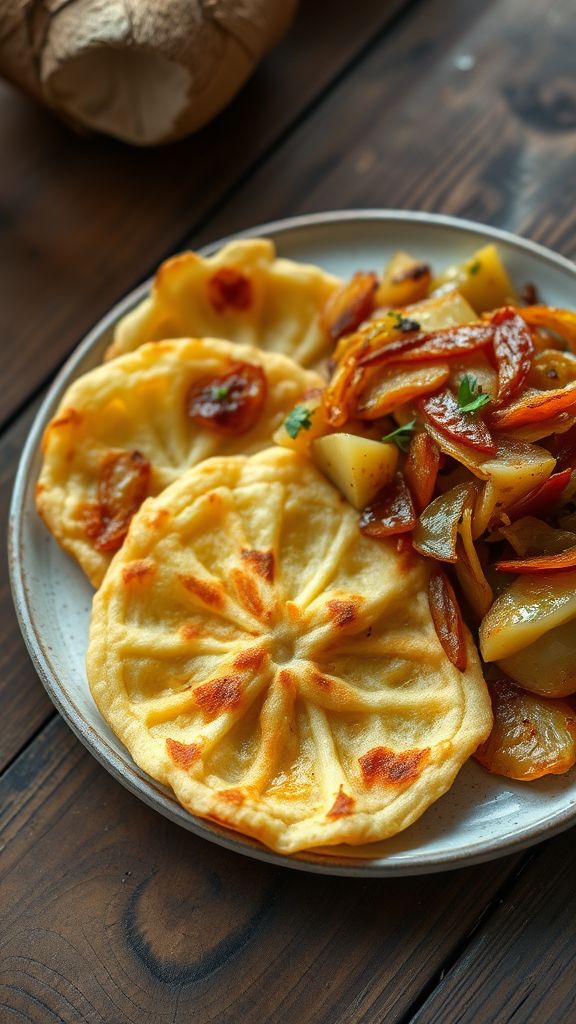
(403, 323)
(299, 419)
(402, 435)
(470, 395)
(474, 267)
(219, 392)
(408, 325)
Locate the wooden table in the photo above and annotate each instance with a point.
(109, 912)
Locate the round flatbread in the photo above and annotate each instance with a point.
(276, 668)
(131, 427)
(244, 294)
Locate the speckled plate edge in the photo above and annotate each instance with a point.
(124, 770)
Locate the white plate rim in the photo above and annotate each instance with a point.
(126, 772)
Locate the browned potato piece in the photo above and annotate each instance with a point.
(482, 280)
(350, 305)
(517, 469)
(531, 736)
(405, 280)
(357, 466)
(449, 310)
(530, 607)
(548, 666)
(552, 369)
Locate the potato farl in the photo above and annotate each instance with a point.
(126, 430)
(244, 293)
(276, 668)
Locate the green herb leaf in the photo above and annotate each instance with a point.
(403, 323)
(470, 395)
(402, 435)
(400, 323)
(219, 392)
(406, 325)
(474, 267)
(299, 419)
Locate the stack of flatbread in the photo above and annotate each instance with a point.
(249, 646)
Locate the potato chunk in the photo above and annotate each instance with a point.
(531, 736)
(517, 469)
(548, 666)
(357, 466)
(404, 280)
(528, 609)
(448, 310)
(482, 280)
(552, 369)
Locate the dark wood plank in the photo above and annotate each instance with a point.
(456, 110)
(520, 966)
(83, 219)
(111, 913)
(25, 706)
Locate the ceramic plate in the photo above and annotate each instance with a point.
(482, 816)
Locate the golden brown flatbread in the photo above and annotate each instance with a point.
(243, 293)
(127, 429)
(276, 668)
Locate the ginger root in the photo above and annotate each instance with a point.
(140, 71)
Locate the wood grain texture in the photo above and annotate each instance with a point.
(112, 914)
(109, 913)
(519, 969)
(456, 110)
(83, 219)
(25, 706)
